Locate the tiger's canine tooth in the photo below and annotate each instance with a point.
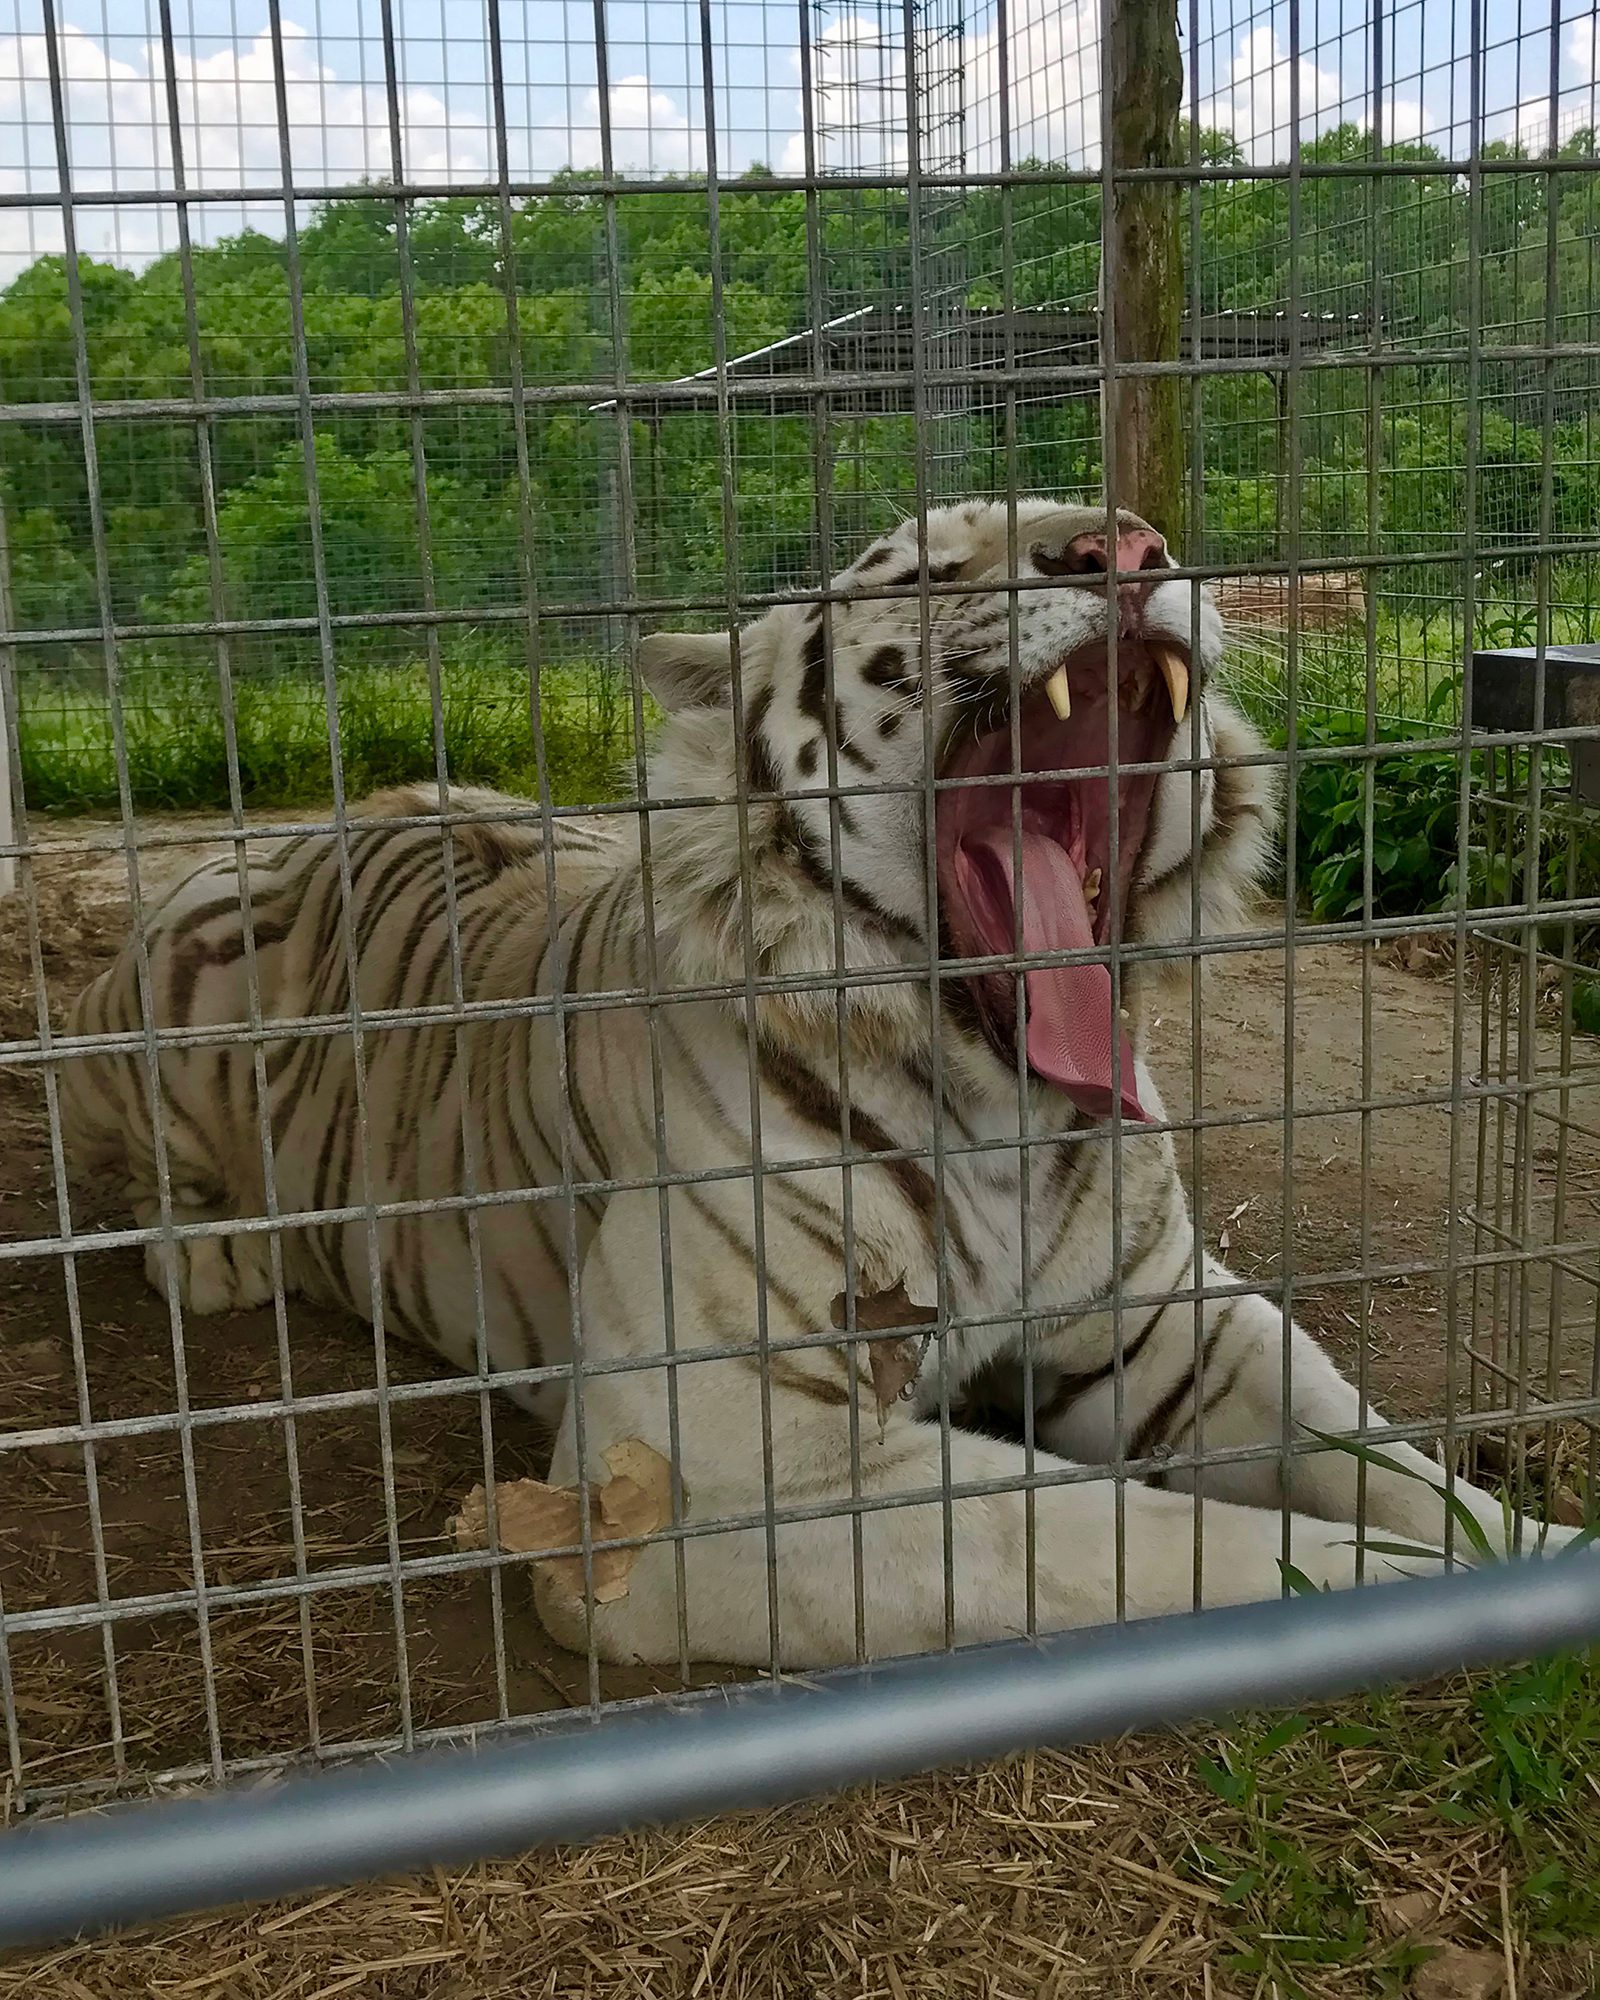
(1175, 672)
(1091, 885)
(1060, 693)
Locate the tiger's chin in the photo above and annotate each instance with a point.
(1044, 808)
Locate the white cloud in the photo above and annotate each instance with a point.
(1257, 102)
(1528, 124)
(858, 91)
(1404, 119)
(1053, 89)
(1583, 49)
(118, 135)
(1054, 66)
(117, 126)
(859, 94)
(649, 130)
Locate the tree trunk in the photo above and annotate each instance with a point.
(1142, 272)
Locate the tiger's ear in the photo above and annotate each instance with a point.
(688, 669)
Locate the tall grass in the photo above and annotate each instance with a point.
(177, 742)
(177, 750)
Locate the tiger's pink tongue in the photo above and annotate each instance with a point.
(1069, 1006)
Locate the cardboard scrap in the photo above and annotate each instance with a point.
(635, 1500)
(894, 1364)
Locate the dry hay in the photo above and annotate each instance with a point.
(1048, 1875)
(1324, 601)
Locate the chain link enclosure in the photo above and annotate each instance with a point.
(369, 387)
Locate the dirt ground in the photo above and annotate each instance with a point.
(346, 1642)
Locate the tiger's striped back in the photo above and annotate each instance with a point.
(342, 1134)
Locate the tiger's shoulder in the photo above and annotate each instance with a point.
(497, 833)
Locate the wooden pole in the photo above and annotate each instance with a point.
(8, 867)
(8, 623)
(1144, 312)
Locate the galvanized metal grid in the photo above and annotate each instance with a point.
(1530, 1325)
(915, 112)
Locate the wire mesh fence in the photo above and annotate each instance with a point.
(840, 1098)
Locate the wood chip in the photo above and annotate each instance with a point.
(1458, 1974)
(533, 1517)
(1398, 1916)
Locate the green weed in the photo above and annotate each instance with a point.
(1411, 840)
(1315, 1807)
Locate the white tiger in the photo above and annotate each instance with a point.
(797, 929)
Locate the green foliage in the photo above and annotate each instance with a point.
(1413, 798)
(1409, 825)
(369, 521)
(176, 735)
(547, 299)
(51, 580)
(1299, 1867)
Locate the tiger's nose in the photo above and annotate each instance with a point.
(1088, 555)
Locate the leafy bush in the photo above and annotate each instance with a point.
(1416, 795)
(1415, 799)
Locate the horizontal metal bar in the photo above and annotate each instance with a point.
(135, 1236)
(1044, 1476)
(595, 609)
(31, 1055)
(696, 393)
(277, 1409)
(762, 1745)
(512, 812)
(1482, 922)
(1306, 1283)
(202, 833)
(596, 184)
(333, 1750)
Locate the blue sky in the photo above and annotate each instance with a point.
(338, 112)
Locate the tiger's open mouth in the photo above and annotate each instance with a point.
(1071, 897)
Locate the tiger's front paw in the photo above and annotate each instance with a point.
(213, 1274)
